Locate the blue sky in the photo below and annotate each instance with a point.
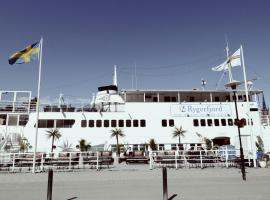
(173, 44)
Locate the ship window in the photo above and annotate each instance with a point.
(171, 122)
(135, 123)
(223, 122)
(142, 123)
(128, 123)
(227, 98)
(203, 122)
(161, 147)
(216, 121)
(155, 99)
(167, 99)
(83, 123)
(42, 123)
(12, 120)
(230, 122)
(173, 147)
(135, 147)
(191, 99)
(91, 123)
(3, 119)
(245, 122)
(67, 123)
(98, 123)
(106, 123)
(217, 99)
(209, 122)
(173, 99)
(50, 123)
(121, 123)
(164, 122)
(23, 120)
(113, 123)
(195, 122)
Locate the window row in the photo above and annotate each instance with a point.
(58, 123)
(113, 123)
(217, 122)
(165, 122)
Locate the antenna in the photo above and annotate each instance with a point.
(203, 83)
(115, 76)
(228, 60)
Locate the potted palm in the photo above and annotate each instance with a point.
(262, 157)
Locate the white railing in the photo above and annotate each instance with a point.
(64, 161)
(197, 158)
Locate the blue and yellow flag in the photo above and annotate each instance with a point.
(31, 52)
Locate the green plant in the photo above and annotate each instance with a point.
(117, 133)
(24, 144)
(54, 134)
(66, 146)
(152, 144)
(83, 145)
(178, 132)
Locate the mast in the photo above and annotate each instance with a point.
(228, 62)
(115, 76)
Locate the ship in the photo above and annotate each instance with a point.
(220, 115)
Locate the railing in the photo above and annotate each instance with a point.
(64, 161)
(197, 158)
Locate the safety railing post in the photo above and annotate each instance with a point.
(201, 159)
(176, 157)
(69, 164)
(226, 157)
(13, 162)
(151, 159)
(97, 161)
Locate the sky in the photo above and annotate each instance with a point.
(169, 44)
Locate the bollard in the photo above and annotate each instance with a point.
(50, 184)
(165, 186)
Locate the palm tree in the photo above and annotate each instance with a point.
(117, 133)
(24, 144)
(54, 134)
(83, 145)
(178, 132)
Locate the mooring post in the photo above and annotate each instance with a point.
(165, 186)
(50, 184)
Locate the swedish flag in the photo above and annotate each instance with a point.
(31, 52)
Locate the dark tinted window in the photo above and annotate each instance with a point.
(128, 123)
(216, 121)
(91, 123)
(135, 123)
(106, 123)
(195, 122)
(164, 122)
(121, 123)
(83, 123)
(223, 122)
(113, 123)
(202, 122)
(230, 122)
(98, 123)
(209, 122)
(171, 122)
(142, 123)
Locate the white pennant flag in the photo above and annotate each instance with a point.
(233, 61)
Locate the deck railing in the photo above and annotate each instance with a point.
(197, 158)
(64, 161)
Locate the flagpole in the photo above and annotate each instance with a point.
(38, 103)
(248, 107)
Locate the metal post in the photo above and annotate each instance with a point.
(240, 141)
(69, 165)
(13, 162)
(151, 159)
(50, 184)
(97, 161)
(165, 186)
(201, 159)
(226, 157)
(176, 165)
